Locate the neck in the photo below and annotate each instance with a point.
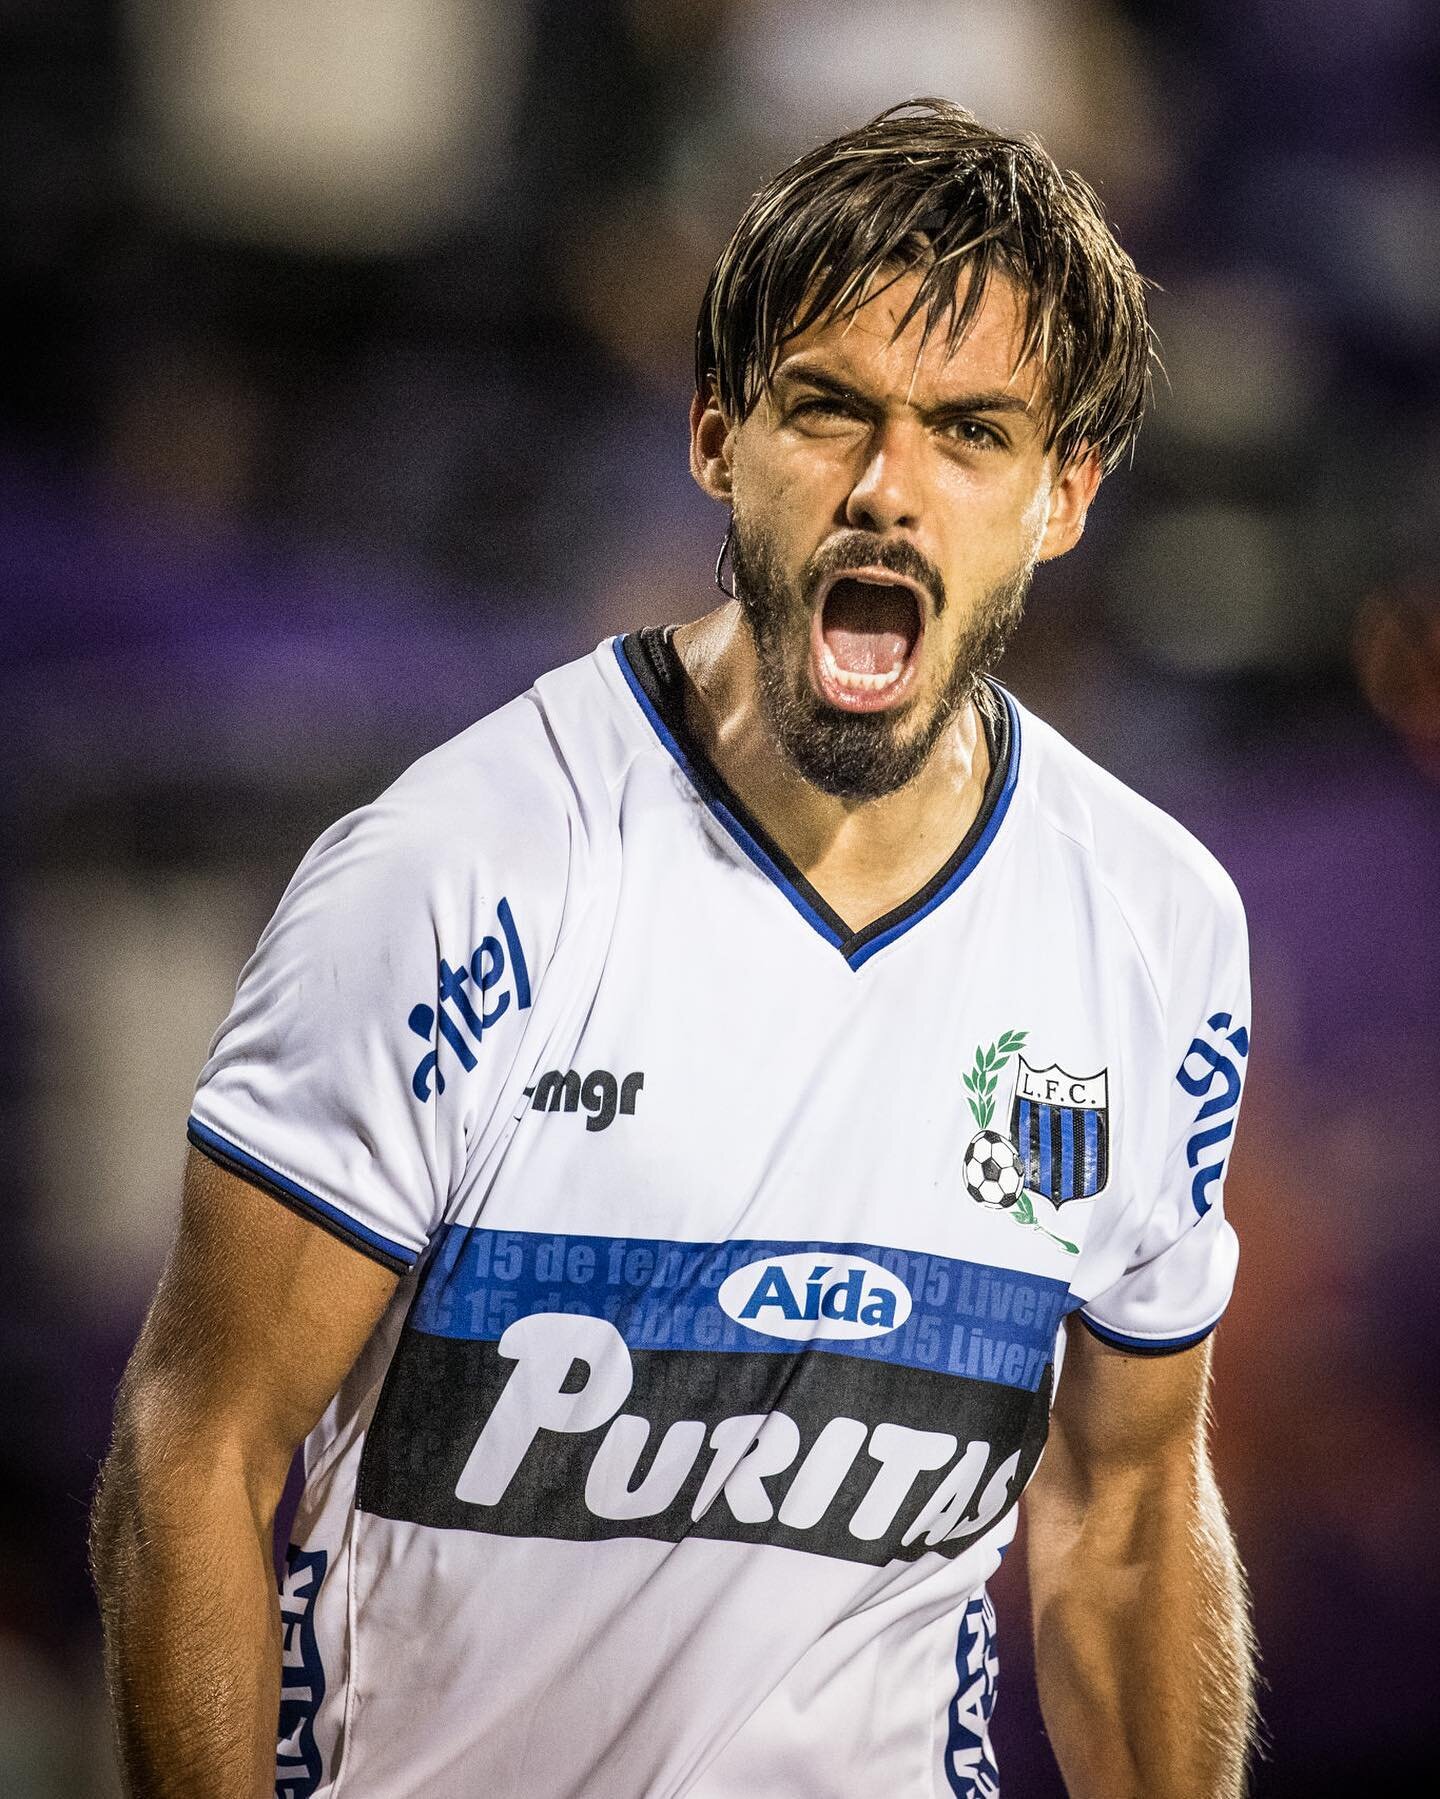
(865, 856)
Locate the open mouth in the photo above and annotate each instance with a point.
(865, 640)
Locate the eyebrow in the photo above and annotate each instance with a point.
(957, 406)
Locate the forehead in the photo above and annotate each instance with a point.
(863, 348)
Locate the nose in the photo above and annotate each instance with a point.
(886, 493)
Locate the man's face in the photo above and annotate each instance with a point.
(890, 503)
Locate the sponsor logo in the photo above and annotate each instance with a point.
(798, 1297)
(1210, 1071)
(302, 1676)
(603, 1096)
(969, 1759)
(469, 1000)
(586, 1387)
(572, 1376)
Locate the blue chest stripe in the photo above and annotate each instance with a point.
(987, 1323)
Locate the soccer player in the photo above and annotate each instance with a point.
(663, 1151)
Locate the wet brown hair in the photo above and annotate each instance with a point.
(926, 187)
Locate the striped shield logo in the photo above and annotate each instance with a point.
(1060, 1123)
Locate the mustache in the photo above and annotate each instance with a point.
(860, 549)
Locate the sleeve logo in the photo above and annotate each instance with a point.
(1210, 1071)
(477, 994)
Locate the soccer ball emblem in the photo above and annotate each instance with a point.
(994, 1173)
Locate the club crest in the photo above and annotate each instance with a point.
(1060, 1123)
(1058, 1144)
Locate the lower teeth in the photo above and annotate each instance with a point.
(853, 678)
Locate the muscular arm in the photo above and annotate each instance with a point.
(258, 1318)
(1142, 1634)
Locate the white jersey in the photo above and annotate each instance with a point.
(736, 1246)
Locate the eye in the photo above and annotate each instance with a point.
(822, 408)
(975, 435)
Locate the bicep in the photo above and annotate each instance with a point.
(258, 1318)
(1122, 1423)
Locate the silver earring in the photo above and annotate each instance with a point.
(729, 592)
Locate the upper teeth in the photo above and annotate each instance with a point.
(851, 678)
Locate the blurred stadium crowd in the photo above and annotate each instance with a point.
(348, 364)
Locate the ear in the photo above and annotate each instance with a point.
(710, 444)
(1070, 496)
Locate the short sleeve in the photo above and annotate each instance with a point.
(1180, 1275)
(372, 1030)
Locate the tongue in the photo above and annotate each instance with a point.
(869, 626)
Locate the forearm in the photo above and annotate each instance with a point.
(192, 1645)
(1143, 1646)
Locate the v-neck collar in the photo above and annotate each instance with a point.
(654, 675)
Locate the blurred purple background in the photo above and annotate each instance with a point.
(345, 391)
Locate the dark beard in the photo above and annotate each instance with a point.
(857, 755)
